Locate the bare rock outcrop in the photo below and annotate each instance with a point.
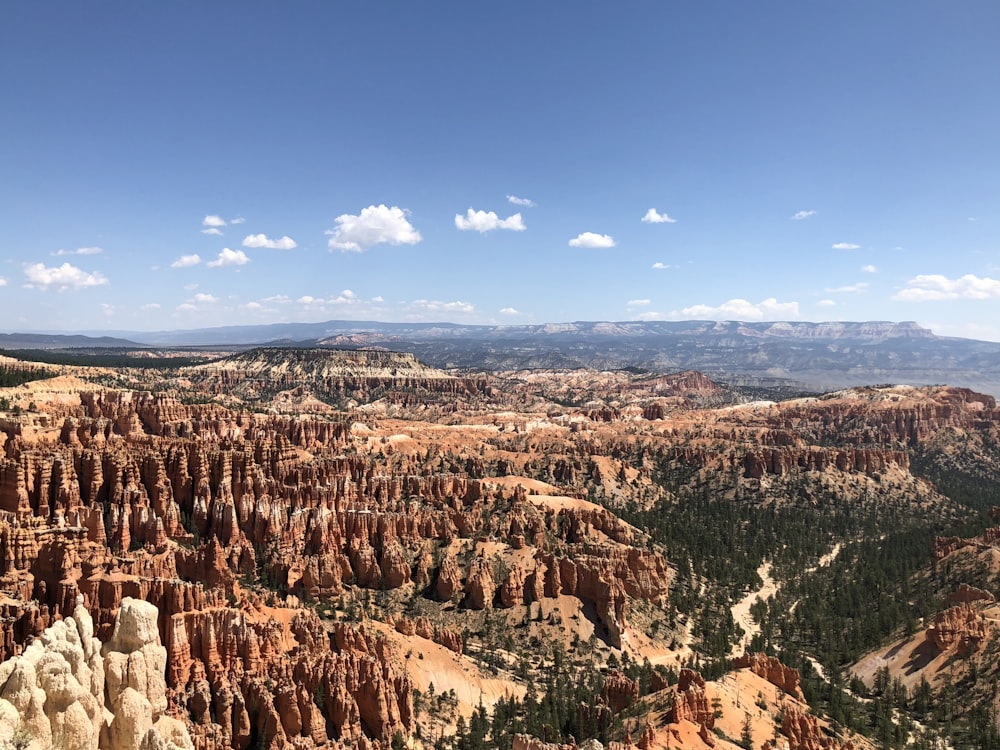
(802, 731)
(64, 694)
(619, 691)
(773, 671)
(691, 701)
(961, 627)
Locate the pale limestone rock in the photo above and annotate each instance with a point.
(56, 690)
(174, 733)
(135, 626)
(132, 720)
(134, 657)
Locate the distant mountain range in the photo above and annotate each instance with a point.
(817, 356)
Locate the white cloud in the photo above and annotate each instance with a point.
(253, 306)
(526, 202)
(826, 303)
(213, 231)
(375, 225)
(261, 240)
(229, 257)
(935, 287)
(845, 246)
(186, 261)
(654, 217)
(61, 277)
(740, 309)
(509, 311)
(849, 289)
(213, 220)
(378, 299)
(592, 239)
(662, 266)
(3, 281)
(186, 307)
(869, 269)
(437, 306)
(150, 306)
(639, 303)
(800, 215)
(205, 298)
(80, 251)
(487, 221)
(107, 310)
(237, 220)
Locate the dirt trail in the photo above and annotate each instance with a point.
(741, 610)
(769, 587)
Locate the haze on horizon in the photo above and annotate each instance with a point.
(177, 167)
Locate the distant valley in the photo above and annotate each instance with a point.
(791, 355)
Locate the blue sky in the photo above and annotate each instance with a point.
(192, 164)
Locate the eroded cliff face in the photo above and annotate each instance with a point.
(197, 510)
(258, 535)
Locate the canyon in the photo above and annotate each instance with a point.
(356, 549)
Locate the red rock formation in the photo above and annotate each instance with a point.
(966, 594)
(961, 627)
(480, 587)
(647, 739)
(803, 731)
(619, 692)
(773, 671)
(691, 701)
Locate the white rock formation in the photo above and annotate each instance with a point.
(64, 691)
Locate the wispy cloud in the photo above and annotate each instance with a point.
(655, 217)
(800, 215)
(592, 239)
(80, 251)
(237, 220)
(204, 298)
(849, 289)
(526, 202)
(826, 303)
(487, 221)
(61, 278)
(869, 269)
(213, 231)
(375, 225)
(662, 266)
(508, 311)
(845, 246)
(3, 281)
(262, 240)
(436, 306)
(935, 288)
(186, 261)
(740, 309)
(229, 257)
(150, 306)
(639, 303)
